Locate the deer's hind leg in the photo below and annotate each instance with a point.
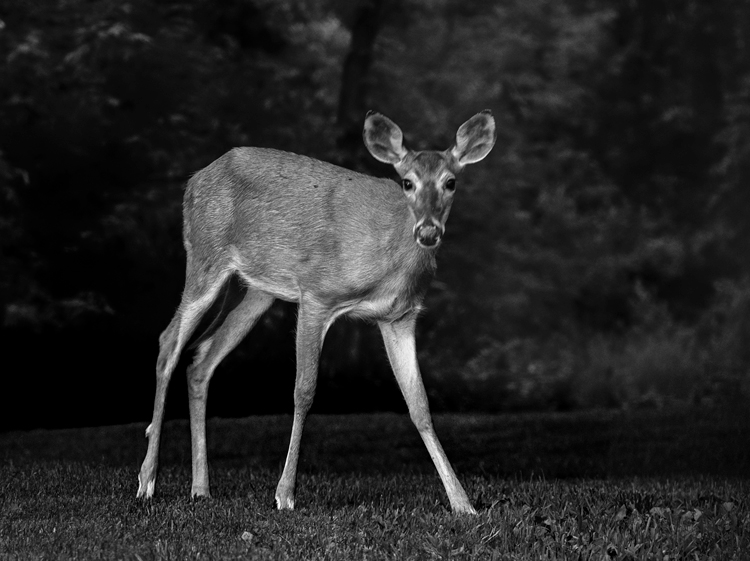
(195, 301)
(211, 351)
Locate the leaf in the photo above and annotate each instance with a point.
(247, 537)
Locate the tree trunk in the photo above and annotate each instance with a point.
(367, 20)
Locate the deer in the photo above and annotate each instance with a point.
(334, 241)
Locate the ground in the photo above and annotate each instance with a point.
(658, 484)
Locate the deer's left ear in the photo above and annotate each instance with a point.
(474, 139)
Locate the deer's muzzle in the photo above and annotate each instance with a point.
(428, 234)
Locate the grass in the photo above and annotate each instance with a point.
(602, 485)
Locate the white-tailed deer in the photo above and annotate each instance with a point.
(334, 241)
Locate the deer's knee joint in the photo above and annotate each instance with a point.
(303, 397)
(167, 347)
(199, 371)
(303, 402)
(162, 364)
(197, 383)
(421, 420)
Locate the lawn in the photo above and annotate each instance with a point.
(598, 485)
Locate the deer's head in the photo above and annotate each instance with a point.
(428, 178)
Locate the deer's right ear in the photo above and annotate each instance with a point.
(384, 139)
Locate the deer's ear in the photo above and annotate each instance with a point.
(475, 138)
(384, 139)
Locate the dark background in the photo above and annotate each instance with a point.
(599, 257)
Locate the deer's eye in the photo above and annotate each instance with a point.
(407, 185)
(450, 185)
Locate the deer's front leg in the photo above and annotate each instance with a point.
(311, 326)
(400, 346)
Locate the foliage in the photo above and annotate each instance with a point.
(618, 184)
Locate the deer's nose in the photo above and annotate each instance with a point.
(428, 234)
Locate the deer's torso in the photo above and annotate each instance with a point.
(292, 226)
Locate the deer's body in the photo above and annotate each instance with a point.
(348, 218)
(334, 241)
